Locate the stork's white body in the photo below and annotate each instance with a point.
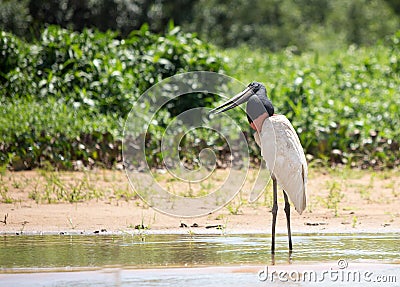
(284, 157)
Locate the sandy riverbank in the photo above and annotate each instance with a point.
(338, 201)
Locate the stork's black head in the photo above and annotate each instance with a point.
(255, 87)
(257, 101)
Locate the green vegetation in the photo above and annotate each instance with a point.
(334, 197)
(65, 98)
(302, 24)
(344, 105)
(5, 198)
(234, 207)
(271, 24)
(47, 187)
(354, 221)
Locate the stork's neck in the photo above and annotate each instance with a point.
(258, 122)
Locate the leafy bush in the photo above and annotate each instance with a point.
(65, 96)
(70, 85)
(10, 48)
(99, 70)
(41, 133)
(344, 105)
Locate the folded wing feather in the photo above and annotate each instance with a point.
(284, 156)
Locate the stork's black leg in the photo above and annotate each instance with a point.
(274, 213)
(287, 211)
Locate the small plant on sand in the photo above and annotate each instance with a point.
(392, 186)
(310, 205)
(35, 194)
(334, 197)
(16, 184)
(125, 193)
(3, 169)
(190, 233)
(73, 226)
(354, 221)
(235, 206)
(54, 189)
(75, 193)
(5, 198)
(365, 192)
(268, 200)
(223, 227)
(234, 209)
(206, 186)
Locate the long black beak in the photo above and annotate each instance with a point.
(240, 98)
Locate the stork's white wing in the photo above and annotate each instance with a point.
(284, 156)
(257, 139)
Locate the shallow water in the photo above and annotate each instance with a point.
(133, 258)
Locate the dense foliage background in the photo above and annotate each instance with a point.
(345, 105)
(333, 67)
(65, 96)
(272, 24)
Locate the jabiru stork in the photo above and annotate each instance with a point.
(280, 148)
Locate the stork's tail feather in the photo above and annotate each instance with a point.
(303, 203)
